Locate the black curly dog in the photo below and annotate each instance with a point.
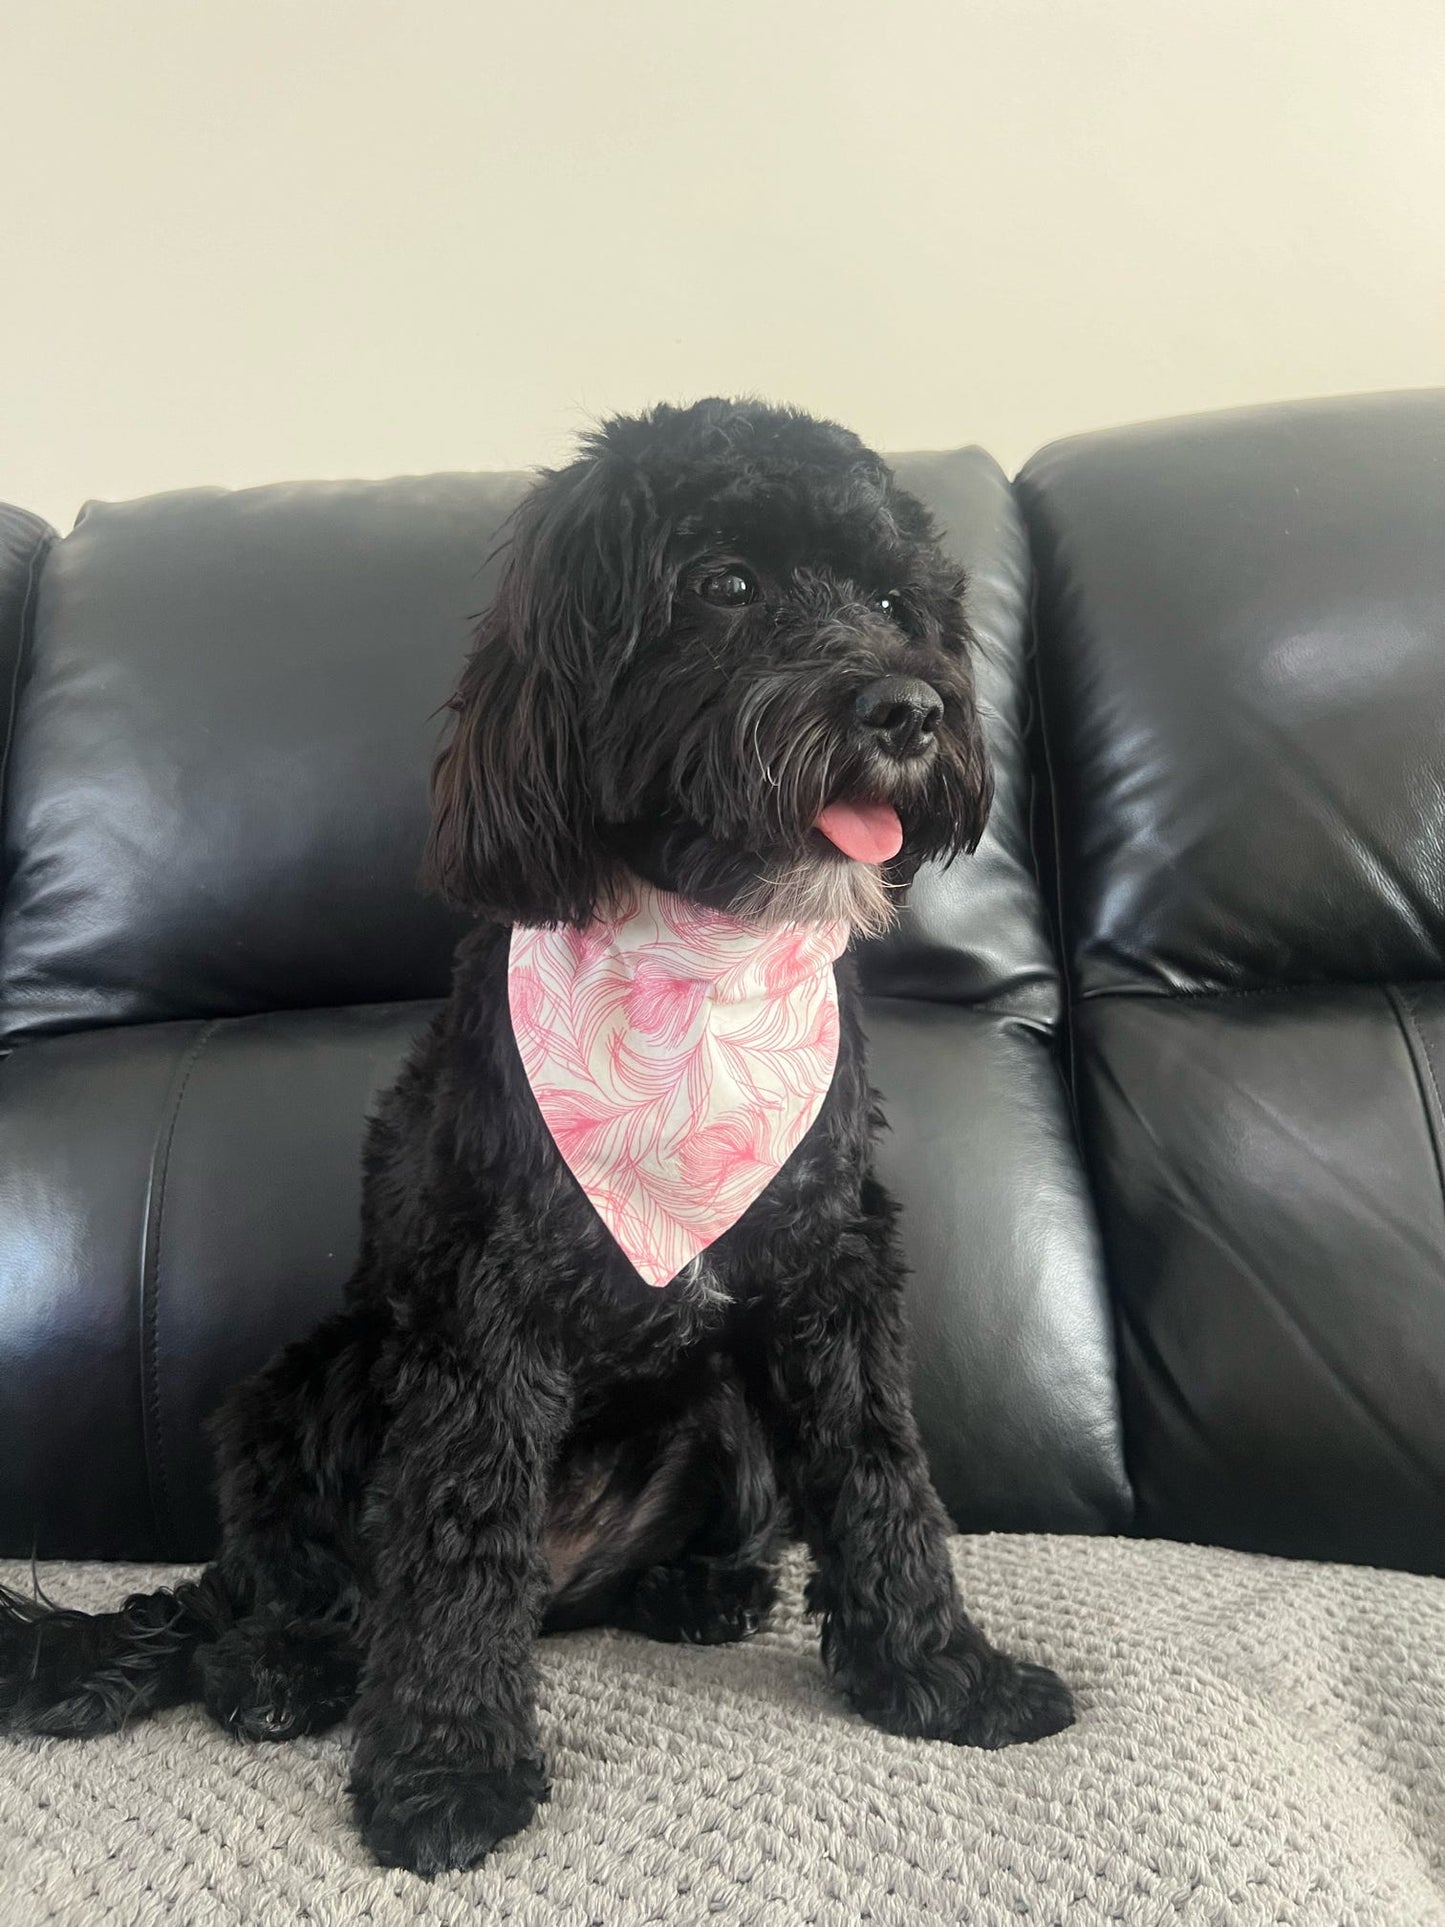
(714, 623)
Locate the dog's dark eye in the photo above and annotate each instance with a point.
(890, 604)
(728, 588)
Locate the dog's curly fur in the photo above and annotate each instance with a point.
(504, 1429)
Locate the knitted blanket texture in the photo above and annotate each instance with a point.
(1259, 1741)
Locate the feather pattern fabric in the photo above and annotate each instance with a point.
(678, 1056)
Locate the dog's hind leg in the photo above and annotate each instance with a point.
(720, 1583)
(295, 1447)
(275, 1677)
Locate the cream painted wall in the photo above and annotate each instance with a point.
(276, 238)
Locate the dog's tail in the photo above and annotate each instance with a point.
(73, 1675)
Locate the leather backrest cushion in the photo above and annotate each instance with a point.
(218, 783)
(1242, 643)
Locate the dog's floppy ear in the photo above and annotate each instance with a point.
(513, 830)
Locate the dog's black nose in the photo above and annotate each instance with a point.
(902, 710)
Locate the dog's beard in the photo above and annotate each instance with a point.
(816, 888)
(826, 889)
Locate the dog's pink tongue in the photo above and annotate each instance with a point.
(868, 832)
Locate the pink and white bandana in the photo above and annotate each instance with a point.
(678, 1056)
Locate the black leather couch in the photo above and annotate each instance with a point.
(1164, 1062)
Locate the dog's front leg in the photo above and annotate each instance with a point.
(895, 1634)
(447, 1759)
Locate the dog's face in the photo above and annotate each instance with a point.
(726, 653)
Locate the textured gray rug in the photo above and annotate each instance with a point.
(1259, 1742)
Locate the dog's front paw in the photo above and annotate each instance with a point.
(1014, 1701)
(431, 1818)
(967, 1694)
(702, 1602)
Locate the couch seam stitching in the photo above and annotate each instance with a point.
(1418, 1047)
(156, 1476)
(1207, 993)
